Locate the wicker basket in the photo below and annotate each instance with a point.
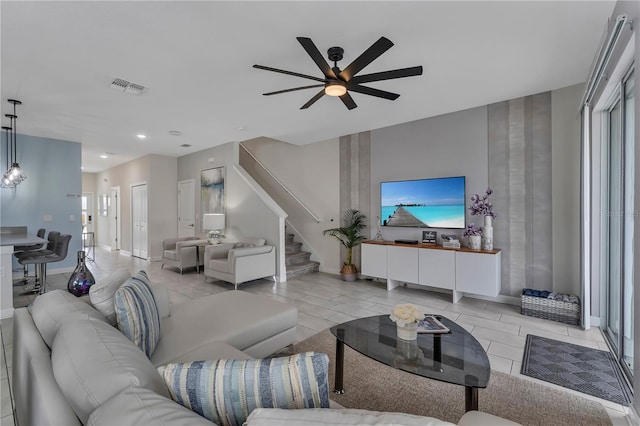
(554, 310)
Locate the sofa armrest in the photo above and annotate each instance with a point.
(170, 243)
(217, 251)
(256, 256)
(249, 251)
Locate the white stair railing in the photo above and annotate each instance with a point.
(280, 183)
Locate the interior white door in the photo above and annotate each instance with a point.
(139, 228)
(186, 208)
(114, 218)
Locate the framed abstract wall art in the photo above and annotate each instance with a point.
(212, 190)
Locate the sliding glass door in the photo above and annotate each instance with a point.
(619, 222)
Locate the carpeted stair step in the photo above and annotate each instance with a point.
(299, 258)
(296, 270)
(292, 248)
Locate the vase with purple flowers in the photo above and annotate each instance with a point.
(481, 206)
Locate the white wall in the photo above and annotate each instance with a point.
(160, 174)
(311, 173)
(247, 214)
(565, 152)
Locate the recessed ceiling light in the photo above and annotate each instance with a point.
(175, 132)
(141, 136)
(185, 145)
(104, 156)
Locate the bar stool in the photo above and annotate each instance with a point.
(41, 260)
(27, 248)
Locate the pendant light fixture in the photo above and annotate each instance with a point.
(14, 174)
(5, 182)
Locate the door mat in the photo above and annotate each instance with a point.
(582, 369)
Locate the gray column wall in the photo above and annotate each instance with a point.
(519, 144)
(355, 179)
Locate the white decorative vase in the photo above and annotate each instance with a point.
(487, 233)
(408, 332)
(475, 242)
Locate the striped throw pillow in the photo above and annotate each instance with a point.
(137, 313)
(226, 391)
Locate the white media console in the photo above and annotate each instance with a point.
(460, 270)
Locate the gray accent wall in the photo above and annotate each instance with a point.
(519, 147)
(528, 151)
(355, 181)
(448, 145)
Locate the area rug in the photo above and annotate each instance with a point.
(375, 386)
(576, 367)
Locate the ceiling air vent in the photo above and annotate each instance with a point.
(185, 145)
(127, 86)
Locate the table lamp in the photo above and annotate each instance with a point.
(214, 222)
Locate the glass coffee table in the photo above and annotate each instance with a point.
(455, 357)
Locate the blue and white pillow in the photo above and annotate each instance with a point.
(226, 391)
(137, 313)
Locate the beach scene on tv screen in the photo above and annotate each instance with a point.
(425, 203)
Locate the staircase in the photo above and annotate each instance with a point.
(298, 262)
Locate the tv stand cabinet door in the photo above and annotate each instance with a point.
(403, 264)
(437, 268)
(478, 273)
(374, 260)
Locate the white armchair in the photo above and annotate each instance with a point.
(240, 262)
(179, 252)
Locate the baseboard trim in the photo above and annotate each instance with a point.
(6, 313)
(633, 418)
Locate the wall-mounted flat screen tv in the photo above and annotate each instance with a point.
(424, 203)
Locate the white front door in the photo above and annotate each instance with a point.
(186, 209)
(139, 225)
(114, 218)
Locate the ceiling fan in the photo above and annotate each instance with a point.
(337, 82)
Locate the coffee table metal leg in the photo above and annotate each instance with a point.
(470, 398)
(339, 388)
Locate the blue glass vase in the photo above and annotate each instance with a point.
(81, 279)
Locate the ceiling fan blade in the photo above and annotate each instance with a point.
(292, 90)
(387, 75)
(348, 101)
(371, 54)
(373, 92)
(295, 74)
(313, 100)
(317, 57)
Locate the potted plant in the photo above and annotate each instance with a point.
(349, 236)
(474, 235)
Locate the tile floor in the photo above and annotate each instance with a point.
(323, 300)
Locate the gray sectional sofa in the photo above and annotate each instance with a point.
(72, 367)
(60, 336)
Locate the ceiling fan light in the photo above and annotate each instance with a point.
(335, 89)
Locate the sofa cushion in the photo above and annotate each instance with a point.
(342, 417)
(226, 391)
(190, 349)
(92, 362)
(50, 310)
(171, 254)
(103, 292)
(137, 313)
(222, 265)
(140, 406)
(261, 319)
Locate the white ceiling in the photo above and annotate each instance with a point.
(196, 58)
